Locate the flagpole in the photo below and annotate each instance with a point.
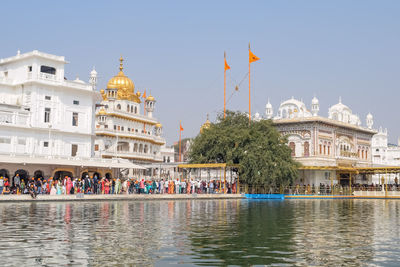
(180, 133)
(224, 87)
(249, 90)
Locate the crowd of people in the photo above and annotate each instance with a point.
(95, 185)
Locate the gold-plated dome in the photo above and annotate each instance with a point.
(206, 125)
(158, 125)
(150, 98)
(102, 111)
(125, 87)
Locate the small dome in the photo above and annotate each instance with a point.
(315, 101)
(206, 125)
(93, 72)
(102, 111)
(158, 125)
(150, 98)
(77, 80)
(268, 105)
(369, 116)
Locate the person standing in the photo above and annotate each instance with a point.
(1, 184)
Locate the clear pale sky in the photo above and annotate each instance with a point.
(174, 49)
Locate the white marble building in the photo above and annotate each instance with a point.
(45, 118)
(384, 154)
(326, 147)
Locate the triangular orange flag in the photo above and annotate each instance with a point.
(180, 127)
(144, 94)
(252, 57)
(227, 67)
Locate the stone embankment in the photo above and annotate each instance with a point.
(137, 197)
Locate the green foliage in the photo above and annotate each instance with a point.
(258, 147)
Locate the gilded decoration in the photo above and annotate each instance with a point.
(125, 87)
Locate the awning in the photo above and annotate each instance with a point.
(71, 161)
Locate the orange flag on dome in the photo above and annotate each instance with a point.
(144, 94)
(252, 57)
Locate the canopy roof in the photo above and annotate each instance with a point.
(71, 161)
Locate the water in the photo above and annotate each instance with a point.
(201, 232)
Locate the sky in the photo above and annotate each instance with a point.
(175, 49)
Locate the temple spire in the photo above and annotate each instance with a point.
(120, 64)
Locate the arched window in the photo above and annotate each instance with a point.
(324, 149)
(135, 110)
(292, 146)
(306, 149)
(131, 109)
(119, 106)
(140, 148)
(320, 149)
(135, 147)
(127, 108)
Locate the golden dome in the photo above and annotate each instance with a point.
(150, 98)
(102, 111)
(124, 85)
(206, 125)
(158, 125)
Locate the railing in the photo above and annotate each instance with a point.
(297, 190)
(47, 76)
(13, 118)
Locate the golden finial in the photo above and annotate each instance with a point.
(120, 64)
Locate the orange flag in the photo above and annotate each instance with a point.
(227, 67)
(180, 127)
(252, 57)
(144, 94)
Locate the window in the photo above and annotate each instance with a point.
(74, 150)
(122, 128)
(47, 69)
(320, 149)
(292, 146)
(118, 106)
(106, 126)
(21, 141)
(306, 149)
(115, 127)
(76, 102)
(47, 97)
(45, 144)
(119, 128)
(47, 115)
(6, 74)
(96, 147)
(29, 68)
(75, 119)
(129, 129)
(135, 110)
(5, 140)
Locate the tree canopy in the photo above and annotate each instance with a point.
(258, 147)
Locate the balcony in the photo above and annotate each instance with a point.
(14, 118)
(147, 137)
(130, 155)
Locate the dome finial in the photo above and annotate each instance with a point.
(120, 64)
(340, 99)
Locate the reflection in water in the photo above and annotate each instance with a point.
(201, 232)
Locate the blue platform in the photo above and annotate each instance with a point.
(265, 196)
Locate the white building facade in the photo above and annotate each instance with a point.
(327, 148)
(44, 118)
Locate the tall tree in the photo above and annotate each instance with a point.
(258, 147)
